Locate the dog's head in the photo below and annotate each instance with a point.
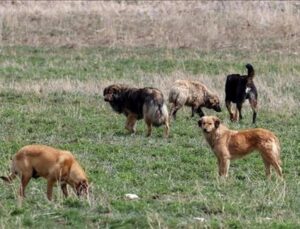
(213, 102)
(82, 188)
(110, 92)
(209, 123)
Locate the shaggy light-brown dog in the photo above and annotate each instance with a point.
(54, 165)
(231, 144)
(193, 94)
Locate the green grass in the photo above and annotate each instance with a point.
(176, 178)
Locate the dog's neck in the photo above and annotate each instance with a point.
(213, 137)
(76, 174)
(207, 95)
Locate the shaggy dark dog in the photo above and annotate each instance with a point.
(238, 88)
(138, 103)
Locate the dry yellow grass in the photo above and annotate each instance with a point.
(205, 25)
(271, 96)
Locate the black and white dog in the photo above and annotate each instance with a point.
(238, 88)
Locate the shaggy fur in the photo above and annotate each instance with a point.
(238, 88)
(138, 103)
(231, 144)
(193, 94)
(34, 161)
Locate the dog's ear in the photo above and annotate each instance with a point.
(217, 122)
(82, 188)
(200, 122)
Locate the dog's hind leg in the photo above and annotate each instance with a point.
(174, 110)
(50, 185)
(270, 158)
(267, 167)
(253, 104)
(275, 162)
(239, 108)
(277, 168)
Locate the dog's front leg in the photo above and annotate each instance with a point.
(223, 166)
(167, 129)
(149, 128)
(131, 123)
(64, 189)
(193, 111)
(50, 185)
(24, 182)
(200, 112)
(228, 106)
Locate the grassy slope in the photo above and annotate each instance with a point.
(175, 178)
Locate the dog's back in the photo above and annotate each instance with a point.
(236, 86)
(185, 92)
(39, 158)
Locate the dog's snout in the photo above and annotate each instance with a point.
(218, 109)
(107, 98)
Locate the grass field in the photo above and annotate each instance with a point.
(53, 96)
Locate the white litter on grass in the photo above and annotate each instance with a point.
(267, 218)
(130, 196)
(199, 219)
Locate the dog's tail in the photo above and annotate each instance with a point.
(251, 72)
(276, 152)
(156, 111)
(13, 174)
(276, 149)
(9, 178)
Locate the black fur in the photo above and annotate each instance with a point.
(235, 92)
(127, 99)
(138, 103)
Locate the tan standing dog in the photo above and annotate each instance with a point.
(193, 94)
(34, 161)
(231, 144)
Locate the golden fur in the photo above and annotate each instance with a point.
(193, 94)
(33, 161)
(231, 144)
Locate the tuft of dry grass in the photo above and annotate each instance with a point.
(204, 25)
(271, 96)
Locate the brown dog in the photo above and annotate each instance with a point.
(193, 94)
(55, 165)
(138, 103)
(230, 144)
